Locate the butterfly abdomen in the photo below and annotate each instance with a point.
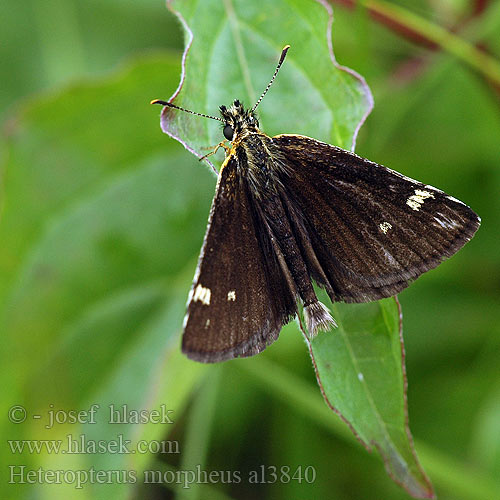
(262, 166)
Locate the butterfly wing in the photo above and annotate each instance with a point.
(371, 229)
(240, 298)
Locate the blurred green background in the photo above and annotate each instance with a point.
(102, 217)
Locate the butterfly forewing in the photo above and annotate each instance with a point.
(371, 229)
(239, 299)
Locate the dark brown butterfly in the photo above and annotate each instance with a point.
(289, 210)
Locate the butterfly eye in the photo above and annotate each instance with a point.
(228, 132)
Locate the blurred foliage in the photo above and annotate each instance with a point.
(102, 218)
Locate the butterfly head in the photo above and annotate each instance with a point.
(238, 120)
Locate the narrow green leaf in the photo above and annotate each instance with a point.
(360, 369)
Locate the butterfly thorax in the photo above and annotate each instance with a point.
(259, 162)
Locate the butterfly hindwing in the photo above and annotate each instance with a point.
(239, 300)
(372, 230)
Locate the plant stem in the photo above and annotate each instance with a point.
(453, 44)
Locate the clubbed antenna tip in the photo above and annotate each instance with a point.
(158, 101)
(283, 54)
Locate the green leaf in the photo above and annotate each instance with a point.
(232, 48)
(360, 369)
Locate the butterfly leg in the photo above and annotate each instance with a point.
(216, 148)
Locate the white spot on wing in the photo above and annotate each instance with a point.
(413, 204)
(385, 226)
(361, 377)
(207, 323)
(423, 194)
(415, 201)
(202, 294)
(231, 295)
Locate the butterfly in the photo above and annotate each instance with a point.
(291, 210)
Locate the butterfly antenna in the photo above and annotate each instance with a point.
(170, 105)
(282, 58)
